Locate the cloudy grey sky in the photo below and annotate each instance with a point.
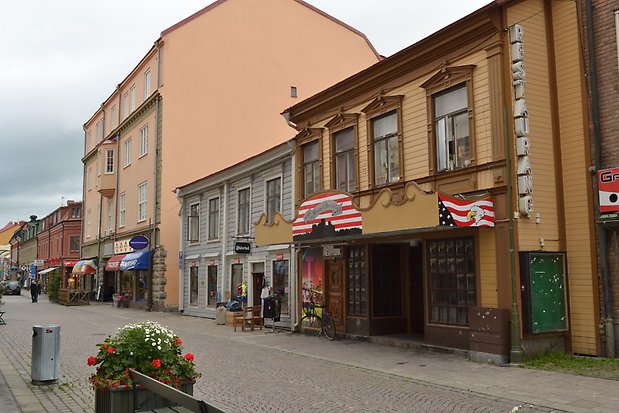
(60, 59)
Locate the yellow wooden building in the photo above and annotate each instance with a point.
(443, 194)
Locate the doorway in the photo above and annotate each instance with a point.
(415, 273)
(335, 291)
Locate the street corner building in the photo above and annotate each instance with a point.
(444, 193)
(207, 95)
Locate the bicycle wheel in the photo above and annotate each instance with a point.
(328, 326)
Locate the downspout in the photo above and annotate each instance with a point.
(117, 280)
(99, 233)
(606, 324)
(181, 277)
(293, 256)
(515, 353)
(154, 242)
(224, 243)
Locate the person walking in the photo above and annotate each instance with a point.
(34, 291)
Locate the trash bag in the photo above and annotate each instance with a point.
(234, 306)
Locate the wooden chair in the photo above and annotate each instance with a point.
(248, 317)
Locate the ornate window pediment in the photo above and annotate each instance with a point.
(448, 76)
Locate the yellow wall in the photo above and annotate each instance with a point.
(488, 268)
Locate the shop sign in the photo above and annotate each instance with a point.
(279, 257)
(70, 263)
(331, 251)
(139, 242)
(39, 263)
(326, 215)
(242, 247)
(122, 247)
(608, 186)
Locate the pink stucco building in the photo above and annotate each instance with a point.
(207, 94)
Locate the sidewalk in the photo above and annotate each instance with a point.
(221, 351)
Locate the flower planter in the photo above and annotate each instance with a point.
(120, 400)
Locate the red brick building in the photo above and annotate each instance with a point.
(59, 241)
(600, 38)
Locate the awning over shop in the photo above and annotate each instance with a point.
(139, 260)
(113, 264)
(45, 271)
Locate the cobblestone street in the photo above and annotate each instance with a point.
(284, 372)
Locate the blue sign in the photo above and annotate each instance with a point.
(139, 242)
(139, 260)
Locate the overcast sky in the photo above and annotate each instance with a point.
(61, 58)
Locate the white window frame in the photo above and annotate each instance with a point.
(143, 141)
(98, 161)
(127, 152)
(386, 139)
(208, 219)
(99, 129)
(88, 222)
(121, 208)
(89, 178)
(126, 105)
(267, 179)
(132, 98)
(113, 117)
(109, 215)
(142, 201)
(447, 157)
(238, 210)
(146, 84)
(193, 238)
(109, 161)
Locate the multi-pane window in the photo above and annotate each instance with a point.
(109, 161)
(75, 212)
(121, 210)
(280, 284)
(243, 211)
(193, 220)
(113, 117)
(127, 157)
(193, 285)
(109, 215)
(213, 218)
(88, 222)
(311, 168)
(453, 284)
(142, 202)
(357, 276)
(146, 84)
(98, 161)
(345, 167)
(132, 99)
(89, 178)
(386, 149)
(74, 243)
(211, 274)
(143, 141)
(451, 124)
(100, 131)
(274, 199)
(125, 105)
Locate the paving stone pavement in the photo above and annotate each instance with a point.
(284, 372)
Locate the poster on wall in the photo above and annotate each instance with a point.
(311, 280)
(326, 215)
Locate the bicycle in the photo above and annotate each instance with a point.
(327, 324)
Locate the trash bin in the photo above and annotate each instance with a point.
(45, 354)
(220, 315)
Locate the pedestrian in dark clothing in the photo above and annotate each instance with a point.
(34, 291)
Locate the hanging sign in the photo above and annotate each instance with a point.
(139, 242)
(242, 247)
(608, 186)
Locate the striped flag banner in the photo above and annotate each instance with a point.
(465, 213)
(336, 209)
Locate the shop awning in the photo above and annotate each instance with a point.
(45, 271)
(84, 267)
(139, 260)
(113, 264)
(77, 267)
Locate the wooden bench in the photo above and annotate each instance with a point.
(248, 317)
(179, 402)
(2, 313)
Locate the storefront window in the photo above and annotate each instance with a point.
(212, 285)
(280, 284)
(312, 271)
(141, 285)
(357, 302)
(193, 285)
(237, 279)
(452, 279)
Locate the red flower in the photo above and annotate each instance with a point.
(104, 346)
(110, 350)
(92, 360)
(189, 357)
(178, 341)
(156, 363)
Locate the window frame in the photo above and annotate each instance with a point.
(379, 108)
(194, 272)
(71, 242)
(126, 105)
(113, 117)
(88, 222)
(317, 162)
(336, 126)
(193, 234)
(142, 203)
(238, 210)
(267, 180)
(122, 200)
(147, 83)
(143, 150)
(132, 98)
(127, 152)
(210, 218)
(449, 77)
(211, 302)
(285, 296)
(110, 225)
(109, 161)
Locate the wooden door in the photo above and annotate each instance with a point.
(258, 277)
(335, 291)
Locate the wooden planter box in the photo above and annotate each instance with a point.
(120, 400)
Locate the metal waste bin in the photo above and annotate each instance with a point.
(45, 354)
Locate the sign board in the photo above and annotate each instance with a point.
(139, 242)
(122, 247)
(180, 260)
(608, 186)
(70, 263)
(242, 247)
(39, 263)
(331, 251)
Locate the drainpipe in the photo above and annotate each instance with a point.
(515, 352)
(606, 324)
(181, 278)
(99, 233)
(154, 242)
(293, 251)
(224, 237)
